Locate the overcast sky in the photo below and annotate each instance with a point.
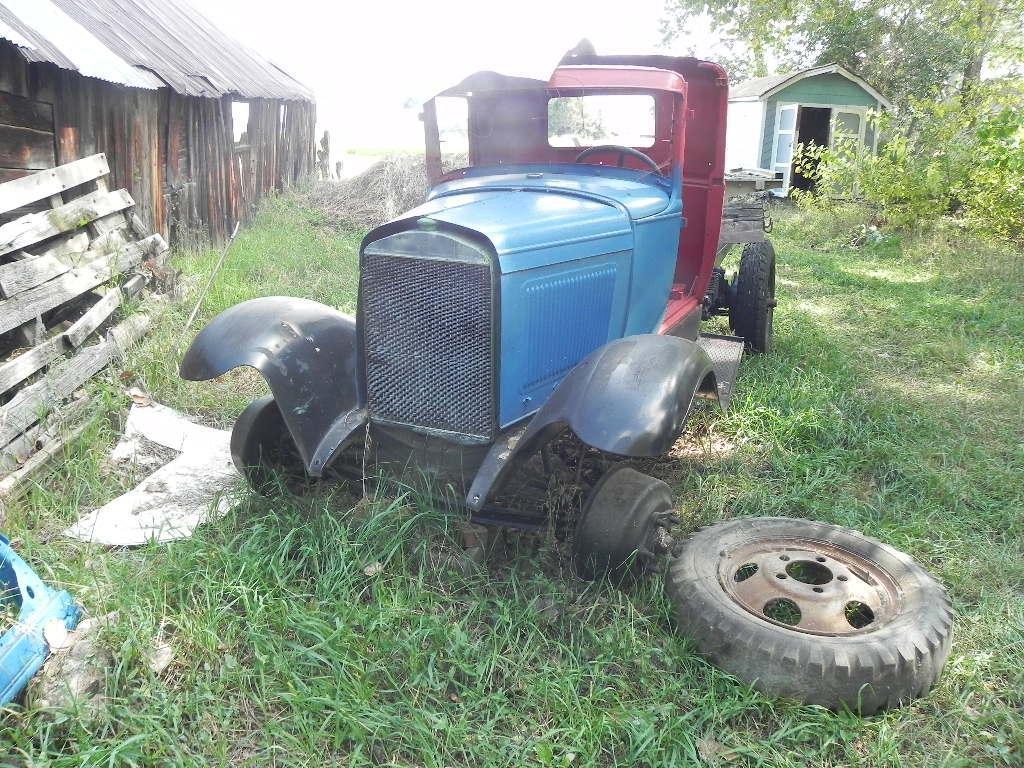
(372, 64)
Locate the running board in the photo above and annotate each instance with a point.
(725, 353)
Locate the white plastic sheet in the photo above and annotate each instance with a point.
(196, 486)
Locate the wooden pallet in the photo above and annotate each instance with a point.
(65, 273)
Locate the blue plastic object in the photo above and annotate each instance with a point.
(23, 648)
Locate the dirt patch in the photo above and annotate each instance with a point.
(703, 447)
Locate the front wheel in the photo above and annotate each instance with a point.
(752, 311)
(812, 611)
(263, 450)
(623, 526)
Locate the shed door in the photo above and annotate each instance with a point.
(785, 138)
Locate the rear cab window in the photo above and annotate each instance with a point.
(592, 120)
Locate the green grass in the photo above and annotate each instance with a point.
(893, 403)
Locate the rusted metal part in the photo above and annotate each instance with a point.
(809, 586)
(623, 528)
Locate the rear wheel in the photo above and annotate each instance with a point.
(753, 304)
(812, 611)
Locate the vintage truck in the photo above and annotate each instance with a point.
(537, 323)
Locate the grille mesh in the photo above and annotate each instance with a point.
(427, 329)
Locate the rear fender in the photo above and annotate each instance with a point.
(631, 397)
(308, 354)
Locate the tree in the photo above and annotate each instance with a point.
(921, 49)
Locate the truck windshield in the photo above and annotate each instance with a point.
(587, 121)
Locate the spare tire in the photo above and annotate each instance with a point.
(812, 611)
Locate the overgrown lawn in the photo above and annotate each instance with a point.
(324, 632)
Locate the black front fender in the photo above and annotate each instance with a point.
(308, 354)
(631, 397)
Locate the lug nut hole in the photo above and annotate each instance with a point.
(783, 610)
(858, 614)
(809, 572)
(745, 571)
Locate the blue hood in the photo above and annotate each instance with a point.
(526, 211)
(643, 194)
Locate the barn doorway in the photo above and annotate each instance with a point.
(812, 127)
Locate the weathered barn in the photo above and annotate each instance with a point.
(194, 125)
(770, 116)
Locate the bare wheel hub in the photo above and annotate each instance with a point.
(809, 586)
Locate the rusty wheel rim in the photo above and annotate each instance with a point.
(809, 586)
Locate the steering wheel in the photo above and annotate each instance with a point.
(623, 151)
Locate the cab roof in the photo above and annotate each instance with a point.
(573, 77)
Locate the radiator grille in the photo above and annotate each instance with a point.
(428, 343)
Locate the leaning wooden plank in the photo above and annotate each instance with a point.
(42, 298)
(16, 370)
(138, 227)
(28, 405)
(35, 400)
(42, 185)
(18, 276)
(101, 310)
(30, 229)
(17, 483)
(19, 450)
(68, 248)
(126, 333)
(108, 238)
(94, 317)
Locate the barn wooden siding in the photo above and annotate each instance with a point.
(174, 154)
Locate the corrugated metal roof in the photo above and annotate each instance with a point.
(144, 43)
(44, 32)
(182, 47)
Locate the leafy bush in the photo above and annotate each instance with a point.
(994, 193)
(938, 159)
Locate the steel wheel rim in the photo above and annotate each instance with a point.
(835, 591)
